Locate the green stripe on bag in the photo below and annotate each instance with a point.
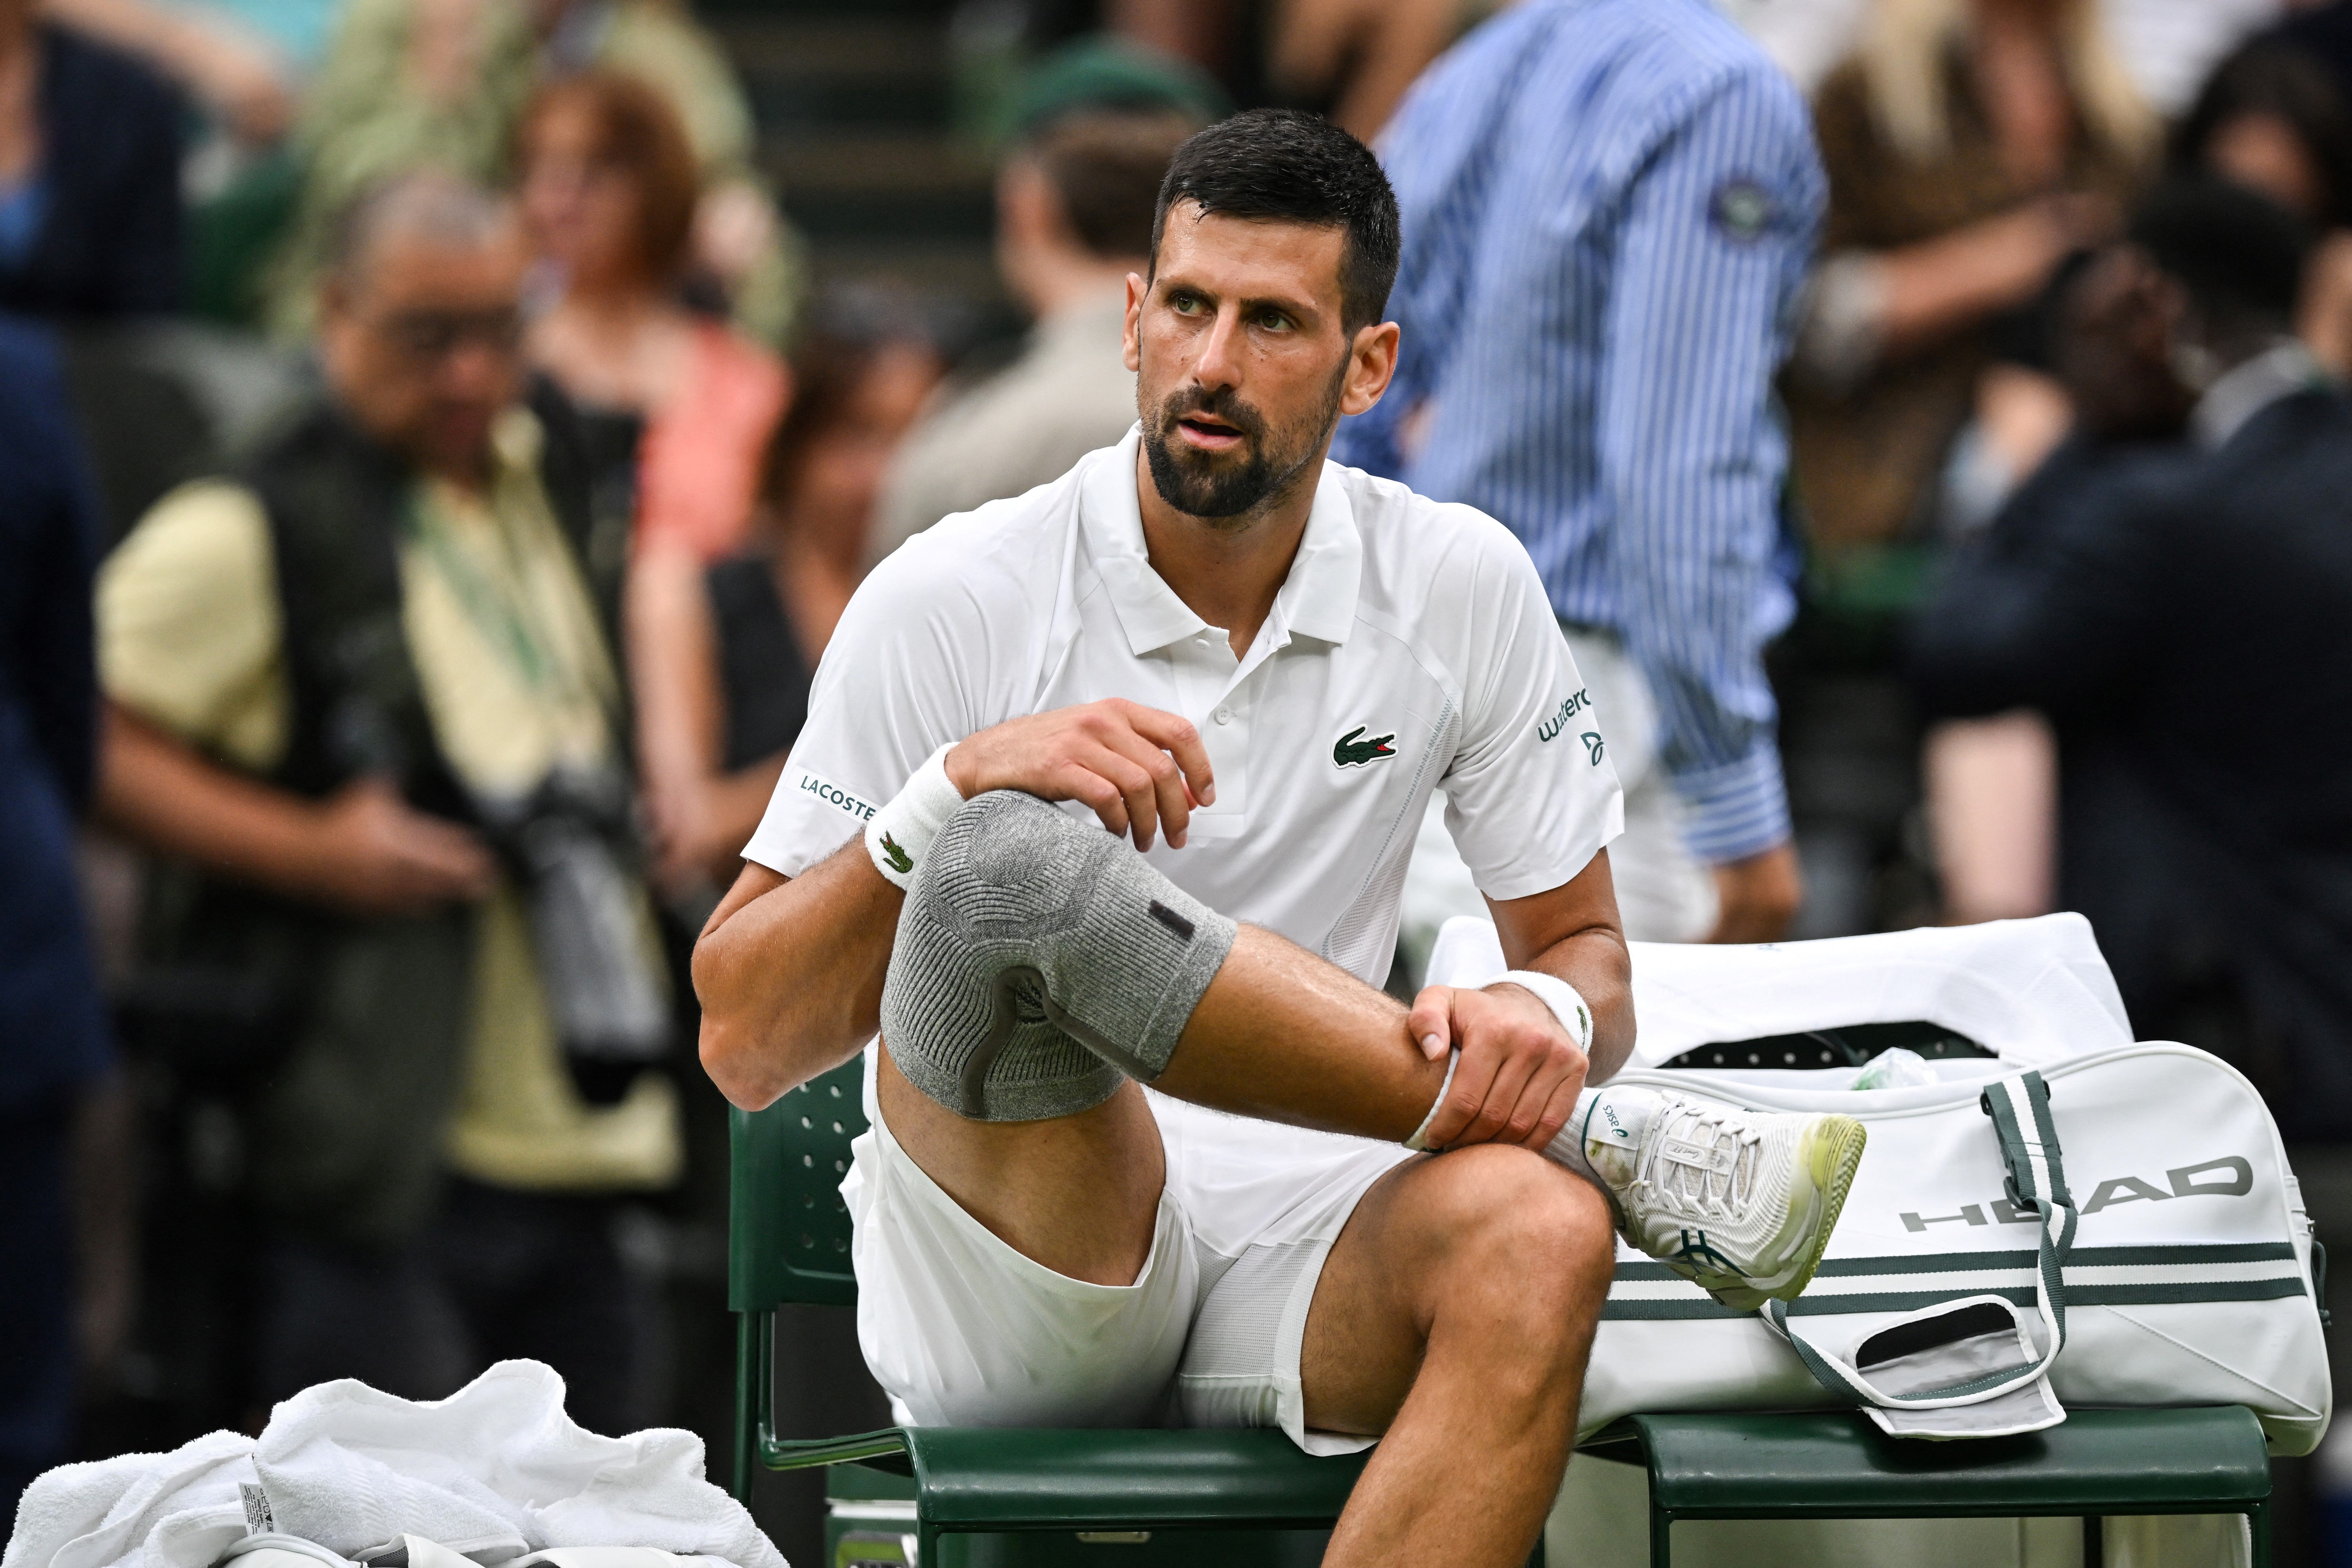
(2181, 1293)
(2181, 1255)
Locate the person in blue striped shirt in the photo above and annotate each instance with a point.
(1608, 207)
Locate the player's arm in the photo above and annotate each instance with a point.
(788, 970)
(1520, 1069)
(1572, 933)
(1532, 802)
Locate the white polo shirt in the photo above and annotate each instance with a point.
(1411, 648)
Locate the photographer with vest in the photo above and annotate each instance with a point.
(361, 701)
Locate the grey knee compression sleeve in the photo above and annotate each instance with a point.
(1038, 959)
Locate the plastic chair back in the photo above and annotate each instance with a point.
(787, 1229)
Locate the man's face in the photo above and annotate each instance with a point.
(1242, 364)
(421, 345)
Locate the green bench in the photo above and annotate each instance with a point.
(789, 1244)
(1836, 1465)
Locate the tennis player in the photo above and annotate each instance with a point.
(1145, 1144)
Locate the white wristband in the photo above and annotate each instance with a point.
(1420, 1138)
(899, 835)
(1562, 999)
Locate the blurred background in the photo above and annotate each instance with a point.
(782, 282)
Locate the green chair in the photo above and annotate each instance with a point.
(789, 1244)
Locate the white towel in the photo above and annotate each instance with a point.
(350, 1469)
(179, 1510)
(2032, 992)
(353, 1469)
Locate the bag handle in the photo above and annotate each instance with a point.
(2036, 1182)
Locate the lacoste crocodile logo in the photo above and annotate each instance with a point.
(1349, 751)
(901, 861)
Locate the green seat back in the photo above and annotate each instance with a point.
(787, 1229)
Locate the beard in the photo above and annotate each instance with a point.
(1233, 484)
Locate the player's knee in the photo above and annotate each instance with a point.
(1547, 1230)
(1003, 860)
(1037, 960)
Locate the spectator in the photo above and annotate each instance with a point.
(1601, 383)
(89, 176)
(2165, 45)
(2273, 119)
(1073, 204)
(239, 69)
(1969, 147)
(2140, 594)
(53, 1041)
(608, 190)
(729, 654)
(362, 689)
(420, 83)
(1353, 59)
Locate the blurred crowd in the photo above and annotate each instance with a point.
(432, 464)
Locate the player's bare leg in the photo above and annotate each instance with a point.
(1454, 1315)
(1455, 1310)
(1280, 1034)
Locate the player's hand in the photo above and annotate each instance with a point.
(374, 854)
(1139, 769)
(1521, 1072)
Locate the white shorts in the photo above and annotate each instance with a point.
(962, 1331)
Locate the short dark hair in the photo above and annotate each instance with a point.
(1106, 165)
(2238, 254)
(2284, 83)
(1289, 166)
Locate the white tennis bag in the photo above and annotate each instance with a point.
(2118, 1229)
(2076, 1220)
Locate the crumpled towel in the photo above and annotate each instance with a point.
(352, 1469)
(179, 1510)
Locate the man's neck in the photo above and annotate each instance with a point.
(1227, 571)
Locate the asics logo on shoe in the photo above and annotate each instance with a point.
(1699, 1255)
(1609, 1113)
(901, 861)
(1347, 751)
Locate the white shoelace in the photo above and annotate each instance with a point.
(1720, 1181)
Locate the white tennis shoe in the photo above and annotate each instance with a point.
(1738, 1202)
